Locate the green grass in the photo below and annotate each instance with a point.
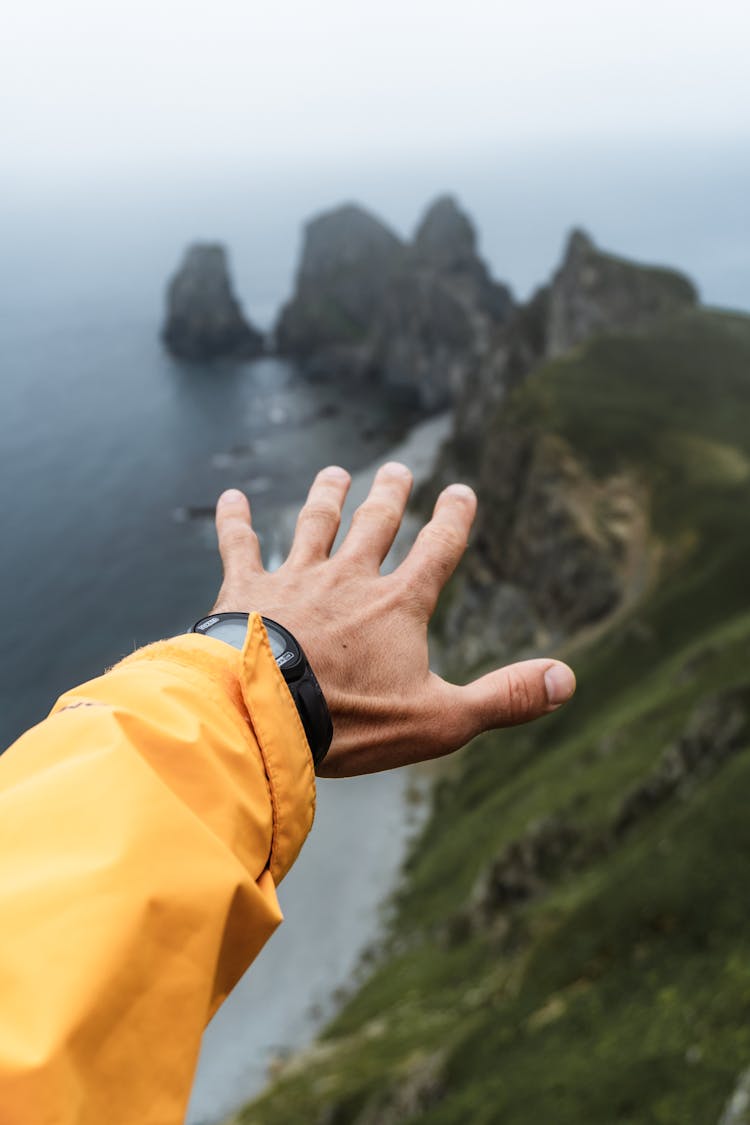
(622, 993)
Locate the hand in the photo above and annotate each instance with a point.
(365, 634)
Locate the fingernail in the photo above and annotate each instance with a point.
(395, 469)
(231, 496)
(560, 684)
(461, 492)
(335, 472)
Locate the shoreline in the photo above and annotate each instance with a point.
(417, 449)
(347, 872)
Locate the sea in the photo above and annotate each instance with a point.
(113, 453)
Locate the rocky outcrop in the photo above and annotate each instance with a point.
(590, 293)
(555, 548)
(440, 315)
(717, 729)
(204, 319)
(349, 259)
(524, 867)
(594, 292)
(446, 243)
(557, 845)
(557, 531)
(414, 317)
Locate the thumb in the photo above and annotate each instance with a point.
(515, 694)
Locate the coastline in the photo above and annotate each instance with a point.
(335, 897)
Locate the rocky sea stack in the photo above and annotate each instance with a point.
(439, 317)
(204, 319)
(349, 260)
(411, 316)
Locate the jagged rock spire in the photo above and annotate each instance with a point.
(204, 319)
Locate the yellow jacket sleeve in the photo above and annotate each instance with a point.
(144, 825)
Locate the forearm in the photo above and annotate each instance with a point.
(143, 826)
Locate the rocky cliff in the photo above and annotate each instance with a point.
(571, 940)
(590, 293)
(349, 259)
(204, 319)
(594, 292)
(416, 317)
(439, 317)
(556, 546)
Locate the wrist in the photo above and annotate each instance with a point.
(298, 675)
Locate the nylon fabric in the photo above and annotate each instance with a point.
(143, 827)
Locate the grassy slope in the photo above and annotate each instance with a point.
(621, 994)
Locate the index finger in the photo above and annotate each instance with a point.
(440, 544)
(238, 542)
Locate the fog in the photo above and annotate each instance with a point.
(126, 89)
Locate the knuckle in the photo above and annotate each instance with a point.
(519, 704)
(446, 538)
(238, 535)
(378, 511)
(320, 511)
(410, 593)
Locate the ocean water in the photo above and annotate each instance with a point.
(107, 446)
(107, 443)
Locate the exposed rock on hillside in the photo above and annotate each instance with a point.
(555, 549)
(576, 894)
(596, 292)
(717, 728)
(204, 319)
(591, 292)
(349, 258)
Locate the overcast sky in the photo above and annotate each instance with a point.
(92, 86)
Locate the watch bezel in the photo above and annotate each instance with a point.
(290, 660)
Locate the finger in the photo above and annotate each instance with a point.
(238, 543)
(319, 518)
(440, 544)
(377, 520)
(515, 694)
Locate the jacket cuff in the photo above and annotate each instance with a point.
(253, 685)
(283, 744)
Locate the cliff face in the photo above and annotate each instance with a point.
(349, 258)
(414, 317)
(204, 319)
(591, 292)
(565, 546)
(571, 940)
(594, 292)
(446, 242)
(439, 317)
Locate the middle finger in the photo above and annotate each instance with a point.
(319, 519)
(376, 521)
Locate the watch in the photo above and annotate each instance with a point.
(294, 667)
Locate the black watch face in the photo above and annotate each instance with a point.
(285, 652)
(230, 629)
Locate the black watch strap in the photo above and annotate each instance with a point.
(294, 666)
